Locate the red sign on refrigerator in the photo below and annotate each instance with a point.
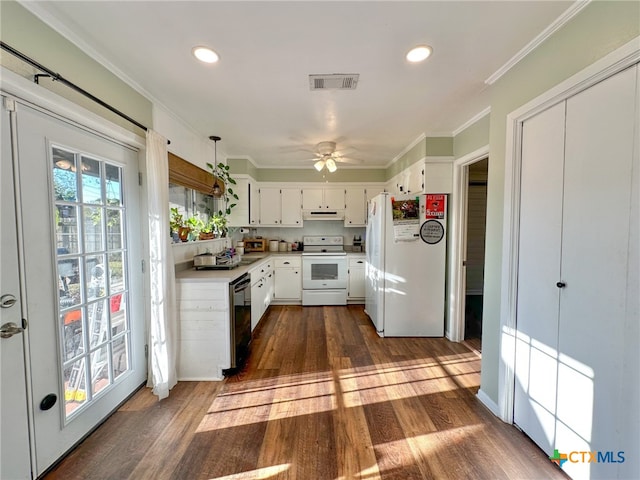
(435, 205)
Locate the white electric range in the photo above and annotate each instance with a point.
(324, 270)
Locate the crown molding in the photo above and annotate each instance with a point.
(557, 24)
(471, 121)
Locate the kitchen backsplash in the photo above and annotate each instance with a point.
(311, 227)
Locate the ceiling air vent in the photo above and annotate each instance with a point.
(335, 81)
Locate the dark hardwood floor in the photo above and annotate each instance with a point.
(322, 397)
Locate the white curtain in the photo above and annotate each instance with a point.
(162, 329)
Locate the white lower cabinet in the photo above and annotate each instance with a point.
(355, 285)
(288, 278)
(262, 282)
(204, 349)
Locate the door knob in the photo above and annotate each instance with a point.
(7, 301)
(48, 401)
(8, 330)
(561, 284)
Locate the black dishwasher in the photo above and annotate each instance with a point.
(240, 322)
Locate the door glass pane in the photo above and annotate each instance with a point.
(92, 276)
(69, 282)
(73, 333)
(67, 229)
(94, 266)
(91, 181)
(120, 355)
(75, 379)
(114, 272)
(113, 185)
(114, 228)
(65, 182)
(93, 240)
(100, 369)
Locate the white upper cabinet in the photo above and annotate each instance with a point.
(270, 209)
(254, 204)
(415, 178)
(355, 214)
(290, 207)
(327, 198)
(280, 207)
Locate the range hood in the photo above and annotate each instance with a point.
(323, 214)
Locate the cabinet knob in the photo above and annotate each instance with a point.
(561, 284)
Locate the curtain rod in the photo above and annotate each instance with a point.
(57, 77)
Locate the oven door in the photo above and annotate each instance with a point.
(321, 272)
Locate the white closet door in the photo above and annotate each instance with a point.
(539, 270)
(595, 264)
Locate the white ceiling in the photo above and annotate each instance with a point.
(257, 97)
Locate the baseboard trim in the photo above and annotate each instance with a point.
(487, 402)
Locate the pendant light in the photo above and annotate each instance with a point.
(216, 191)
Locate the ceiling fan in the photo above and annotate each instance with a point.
(327, 156)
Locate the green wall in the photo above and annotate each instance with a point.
(30, 36)
(599, 29)
(472, 138)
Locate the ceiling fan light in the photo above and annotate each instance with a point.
(319, 165)
(419, 53)
(331, 165)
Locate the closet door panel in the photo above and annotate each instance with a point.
(538, 272)
(595, 254)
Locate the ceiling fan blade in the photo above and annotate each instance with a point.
(348, 160)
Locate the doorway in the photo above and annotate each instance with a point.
(475, 246)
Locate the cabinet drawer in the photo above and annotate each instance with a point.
(287, 262)
(357, 261)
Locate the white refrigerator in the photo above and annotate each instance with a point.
(406, 247)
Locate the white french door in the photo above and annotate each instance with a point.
(78, 193)
(14, 443)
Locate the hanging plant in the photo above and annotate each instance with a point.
(226, 193)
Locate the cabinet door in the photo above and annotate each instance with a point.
(288, 284)
(312, 198)
(334, 198)
(356, 207)
(270, 211)
(356, 282)
(291, 206)
(257, 302)
(269, 282)
(415, 180)
(254, 204)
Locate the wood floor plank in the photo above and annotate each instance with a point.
(322, 397)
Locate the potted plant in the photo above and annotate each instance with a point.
(207, 231)
(195, 225)
(219, 225)
(179, 230)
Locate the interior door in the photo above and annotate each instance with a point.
(601, 135)
(79, 199)
(14, 443)
(577, 312)
(538, 271)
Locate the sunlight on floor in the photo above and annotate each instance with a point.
(306, 394)
(265, 472)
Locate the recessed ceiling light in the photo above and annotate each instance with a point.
(205, 54)
(419, 53)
